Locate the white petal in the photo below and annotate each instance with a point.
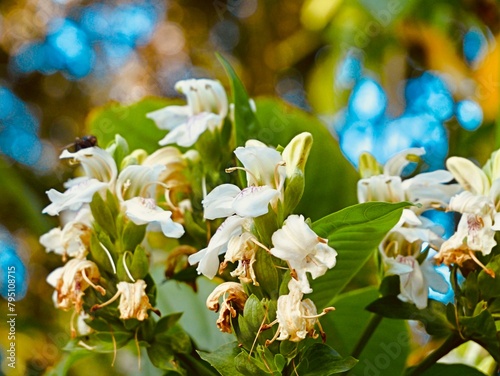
(208, 257)
(470, 177)
(96, 162)
(74, 197)
(254, 201)
(188, 133)
(138, 180)
(261, 161)
(170, 117)
(396, 165)
(219, 202)
(142, 211)
(435, 280)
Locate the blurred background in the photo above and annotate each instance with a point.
(383, 75)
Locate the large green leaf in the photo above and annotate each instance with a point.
(330, 180)
(128, 121)
(354, 232)
(386, 351)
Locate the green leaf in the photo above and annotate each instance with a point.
(163, 357)
(330, 180)
(386, 351)
(266, 273)
(482, 329)
(439, 369)
(322, 360)
(118, 148)
(433, 317)
(99, 254)
(245, 121)
(490, 287)
(279, 362)
(249, 366)
(249, 324)
(223, 359)
(167, 322)
(129, 121)
(355, 232)
(140, 263)
(132, 235)
(103, 215)
(67, 361)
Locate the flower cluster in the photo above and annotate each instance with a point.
(401, 250)
(478, 205)
(254, 223)
(99, 209)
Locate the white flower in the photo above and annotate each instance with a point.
(242, 248)
(187, 134)
(73, 239)
(265, 177)
(475, 231)
(428, 189)
(138, 180)
(71, 280)
(305, 251)
(262, 164)
(227, 199)
(143, 211)
(96, 162)
(296, 317)
(171, 158)
(74, 197)
(415, 279)
(233, 302)
(208, 258)
(134, 303)
(206, 108)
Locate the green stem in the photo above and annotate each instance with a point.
(367, 333)
(453, 341)
(365, 337)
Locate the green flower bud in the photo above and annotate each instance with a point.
(296, 153)
(368, 166)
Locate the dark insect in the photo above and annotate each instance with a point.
(85, 142)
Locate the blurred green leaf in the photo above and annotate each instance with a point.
(439, 369)
(245, 121)
(386, 351)
(355, 232)
(321, 360)
(67, 361)
(130, 122)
